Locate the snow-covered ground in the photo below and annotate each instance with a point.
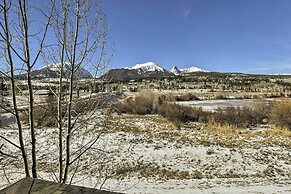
(147, 154)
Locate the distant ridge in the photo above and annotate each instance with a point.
(54, 70)
(147, 70)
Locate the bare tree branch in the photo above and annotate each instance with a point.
(5, 154)
(10, 142)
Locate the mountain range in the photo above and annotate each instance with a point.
(147, 70)
(138, 71)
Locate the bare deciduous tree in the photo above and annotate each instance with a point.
(81, 30)
(6, 38)
(79, 39)
(17, 41)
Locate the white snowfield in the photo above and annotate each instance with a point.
(145, 154)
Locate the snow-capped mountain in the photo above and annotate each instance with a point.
(54, 70)
(175, 70)
(80, 72)
(148, 66)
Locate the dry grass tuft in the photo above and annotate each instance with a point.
(226, 129)
(281, 114)
(152, 170)
(225, 135)
(277, 136)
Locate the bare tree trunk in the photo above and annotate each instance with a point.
(22, 5)
(23, 11)
(60, 124)
(72, 71)
(68, 138)
(12, 78)
(31, 123)
(60, 109)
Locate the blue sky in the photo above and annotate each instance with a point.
(251, 36)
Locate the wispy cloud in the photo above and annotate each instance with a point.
(185, 8)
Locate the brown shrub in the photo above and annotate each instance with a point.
(44, 115)
(187, 97)
(146, 102)
(86, 105)
(220, 97)
(262, 110)
(281, 114)
(240, 117)
(180, 114)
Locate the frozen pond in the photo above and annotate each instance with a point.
(212, 105)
